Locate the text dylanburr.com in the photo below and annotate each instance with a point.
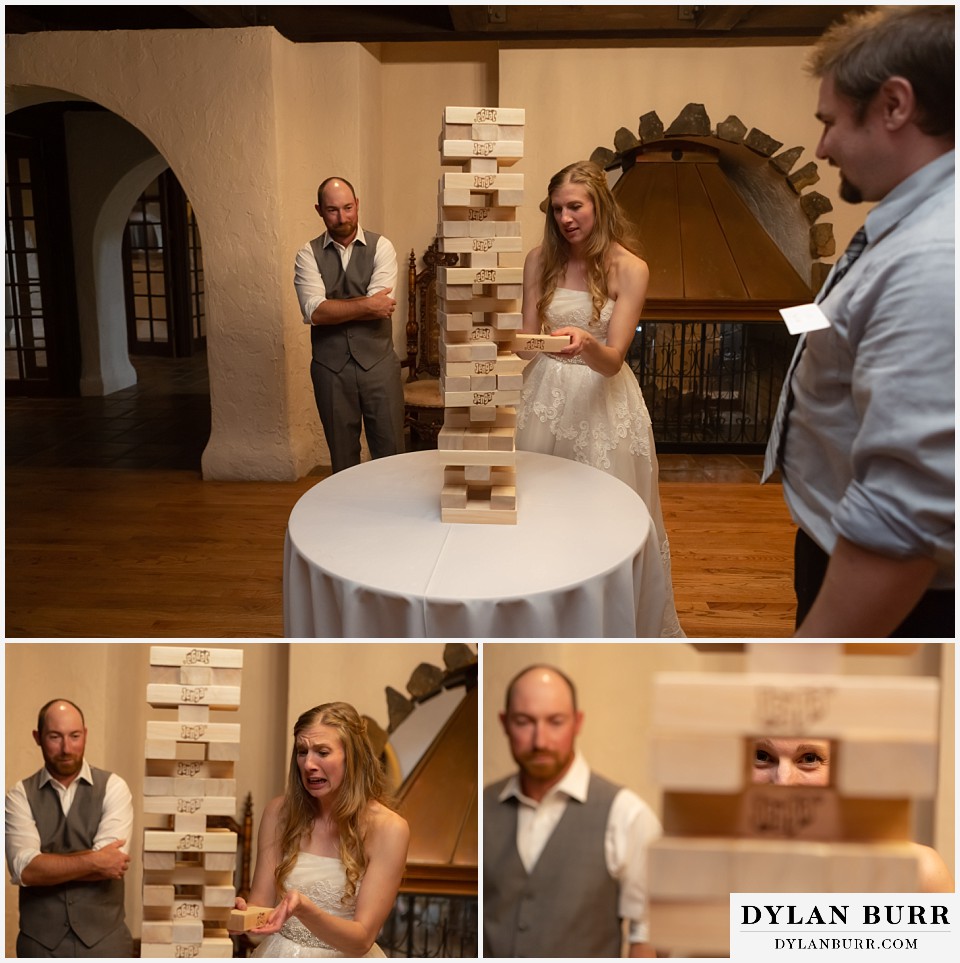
(913, 927)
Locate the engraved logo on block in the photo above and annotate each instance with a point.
(193, 694)
(197, 657)
(192, 733)
(482, 148)
(188, 768)
(783, 815)
(481, 333)
(189, 805)
(484, 367)
(487, 276)
(482, 243)
(192, 841)
(182, 951)
(797, 708)
(483, 397)
(478, 214)
(182, 911)
(535, 344)
(486, 115)
(481, 181)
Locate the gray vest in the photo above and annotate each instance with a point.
(367, 341)
(568, 904)
(90, 909)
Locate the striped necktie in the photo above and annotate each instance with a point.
(773, 459)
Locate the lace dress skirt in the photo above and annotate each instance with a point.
(569, 410)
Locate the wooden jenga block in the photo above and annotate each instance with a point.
(461, 321)
(481, 260)
(884, 765)
(502, 439)
(483, 275)
(873, 868)
(217, 862)
(212, 696)
(508, 321)
(450, 439)
(539, 342)
(509, 382)
(504, 418)
(476, 439)
(194, 655)
(226, 751)
(480, 245)
(476, 473)
(187, 931)
(207, 949)
(159, 895)
(483, 415)
(507, 152)
(166, 748)
(826, 707)
(188, 769)
(214, 840)
(158, 861)
(453, 496)
(481, 183)
(240, 921)
(472, 351)
(204, 805)
(505, 459)
(484, 115)
(193, 715)
(802, 657)
(772, 866)
(478, 513)
(157, 931)
(184, 823)
(200, 732)
(481, 399)
(786, 812)
(218, 896)
(680, 868)
(691, 927)
(503, 498)
(508, 198)
(699, 762)
(192, 874)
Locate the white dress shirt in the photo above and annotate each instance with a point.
(23, 838)
(631, 827)
(312, 292)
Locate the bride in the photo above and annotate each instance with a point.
(329, 849)
(583, 402)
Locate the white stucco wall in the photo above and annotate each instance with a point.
(250, 123)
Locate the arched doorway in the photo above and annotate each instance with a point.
(67, 305)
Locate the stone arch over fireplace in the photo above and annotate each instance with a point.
(727, 226)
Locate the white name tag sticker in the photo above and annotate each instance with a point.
(803, 318)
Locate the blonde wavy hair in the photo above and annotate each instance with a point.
(610, 225)
(362, 783)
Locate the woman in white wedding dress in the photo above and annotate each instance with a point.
(583, 402)
(329, 849)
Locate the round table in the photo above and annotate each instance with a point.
(366, 556)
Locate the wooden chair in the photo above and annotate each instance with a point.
(423, 403)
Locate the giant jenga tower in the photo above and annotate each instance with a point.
(188, 868)
(480, 373)
(723, 834)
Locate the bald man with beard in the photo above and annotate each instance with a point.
(67, 828)
(564, 850)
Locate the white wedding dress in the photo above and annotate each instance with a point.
(321, 879)
(570, 410)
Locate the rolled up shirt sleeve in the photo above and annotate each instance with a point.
(900, 500)
(116, 821)
(631, 827)
(311, 291)
(21, 838)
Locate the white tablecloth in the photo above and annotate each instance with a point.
(366, 555)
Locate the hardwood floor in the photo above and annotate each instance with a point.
(110, 531)
(94, 552)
